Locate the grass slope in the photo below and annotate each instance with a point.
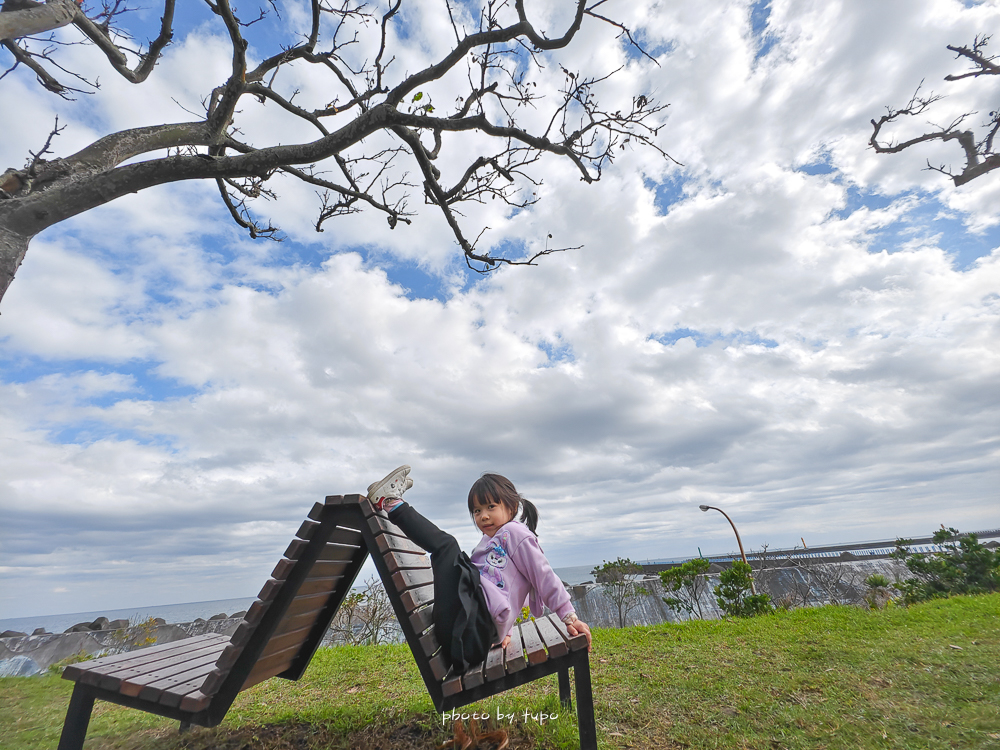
(835, 677)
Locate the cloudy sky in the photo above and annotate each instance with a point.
(788, 326)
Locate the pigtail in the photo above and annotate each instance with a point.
(529, 515)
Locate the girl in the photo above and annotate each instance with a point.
(477, 600)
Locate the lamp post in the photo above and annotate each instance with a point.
(743, 554)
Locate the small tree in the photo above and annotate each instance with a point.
(618, 580)
(364, 617)
(689, 580)
(733, 592)
(963, 566)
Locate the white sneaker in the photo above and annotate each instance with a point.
(392, 486)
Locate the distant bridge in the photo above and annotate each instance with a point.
(777, 558)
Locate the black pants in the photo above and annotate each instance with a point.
(462, 621)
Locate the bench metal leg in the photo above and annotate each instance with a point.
(185, 725)
(585, 705)
(564, 694)
(81, 703)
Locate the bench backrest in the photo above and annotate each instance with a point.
(406, 572)
(287, 622)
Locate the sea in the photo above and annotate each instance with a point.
(187, 612)
(191, 611)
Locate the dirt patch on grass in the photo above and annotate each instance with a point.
(409, 736)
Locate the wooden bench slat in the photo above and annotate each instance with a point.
(299, 621)
(553, 639)
(494, 663)
(269, 590)
(532, 643)
(334, 551)
(439, 666)
(452, 686)
(475, 676)
(98, 673)
(576, 642)
(316, 512)
(422, 618)
(282, 569)
(413, 598)
(341, 535)
(320, 569)
(385, 543)
(347, 535)
(116, 680)
(280, 643)
(173, 695)
(408, 579)
(319, 585)
(256, 612)
(514, 654)
(107, 663)
(328, 569)
(429, 643)
(301, 604)
(228, 657)
(271, 665)
(195, 702)
(307, 530)
(149, 687)
(397, 560)
(379, 524)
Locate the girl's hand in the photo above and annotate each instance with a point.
(504, 642)
(579, 626)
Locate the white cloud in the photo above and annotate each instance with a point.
(178, 397)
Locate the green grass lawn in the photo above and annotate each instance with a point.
(835, 677)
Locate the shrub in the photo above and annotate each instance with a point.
(734, 592)
(878, 594)
(963, 566)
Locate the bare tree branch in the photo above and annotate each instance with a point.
(980, 158)
(372, 126)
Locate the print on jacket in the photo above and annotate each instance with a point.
(496, 559)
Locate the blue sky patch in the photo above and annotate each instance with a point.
(760, 15)
(557, 354)
(146, 385)
(702, 339)
(929, 221)
(669, 191)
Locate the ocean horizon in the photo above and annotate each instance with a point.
(172, 613)
(190, 611)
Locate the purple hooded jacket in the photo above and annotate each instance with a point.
(512, 566)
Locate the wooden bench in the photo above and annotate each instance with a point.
(537, 648)
(196, 680)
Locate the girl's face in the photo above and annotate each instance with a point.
(491, 516)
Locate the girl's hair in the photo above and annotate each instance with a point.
(497, 489)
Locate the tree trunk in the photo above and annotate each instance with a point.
(13, 246)
(52, 15)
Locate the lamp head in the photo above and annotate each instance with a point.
(703, 507)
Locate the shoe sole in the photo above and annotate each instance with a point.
(401, 472)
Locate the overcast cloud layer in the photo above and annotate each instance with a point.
(789, 327)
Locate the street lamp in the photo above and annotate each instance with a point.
(743, 554)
